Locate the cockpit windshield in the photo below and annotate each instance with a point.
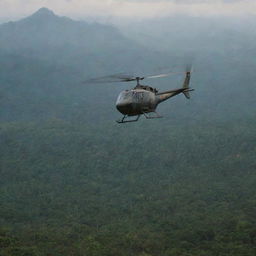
(124, 96)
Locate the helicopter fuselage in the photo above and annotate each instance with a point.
(144, 99)
(137, 101)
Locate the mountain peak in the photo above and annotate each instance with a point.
(43, 13)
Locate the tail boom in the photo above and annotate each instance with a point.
(162, 96)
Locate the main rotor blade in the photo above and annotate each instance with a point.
(128, 78)
(111, 79)
(164, 75)
(123, 76)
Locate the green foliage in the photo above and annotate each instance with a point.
(82, 195)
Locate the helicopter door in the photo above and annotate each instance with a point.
(138, 97)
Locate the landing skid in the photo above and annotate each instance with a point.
(123, 120)
(148, 116)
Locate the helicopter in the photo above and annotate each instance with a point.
(143, 99)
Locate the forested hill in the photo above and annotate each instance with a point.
(74, 182)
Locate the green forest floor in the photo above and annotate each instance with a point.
(150, 189)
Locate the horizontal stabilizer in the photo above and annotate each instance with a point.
(186, 93)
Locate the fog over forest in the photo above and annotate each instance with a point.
(74, 182)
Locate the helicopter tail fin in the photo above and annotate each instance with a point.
(186, 85)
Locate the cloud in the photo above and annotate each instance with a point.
(186, 1)
(128, 8)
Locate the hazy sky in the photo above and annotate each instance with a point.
(14, 9)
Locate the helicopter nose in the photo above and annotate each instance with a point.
(123, 107)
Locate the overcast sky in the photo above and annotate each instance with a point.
(14, 9)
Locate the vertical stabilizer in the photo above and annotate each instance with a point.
(186, 85)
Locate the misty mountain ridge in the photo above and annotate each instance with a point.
(47, 36)
(45, 21)
(200, 37)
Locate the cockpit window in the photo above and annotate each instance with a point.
(124, 95)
